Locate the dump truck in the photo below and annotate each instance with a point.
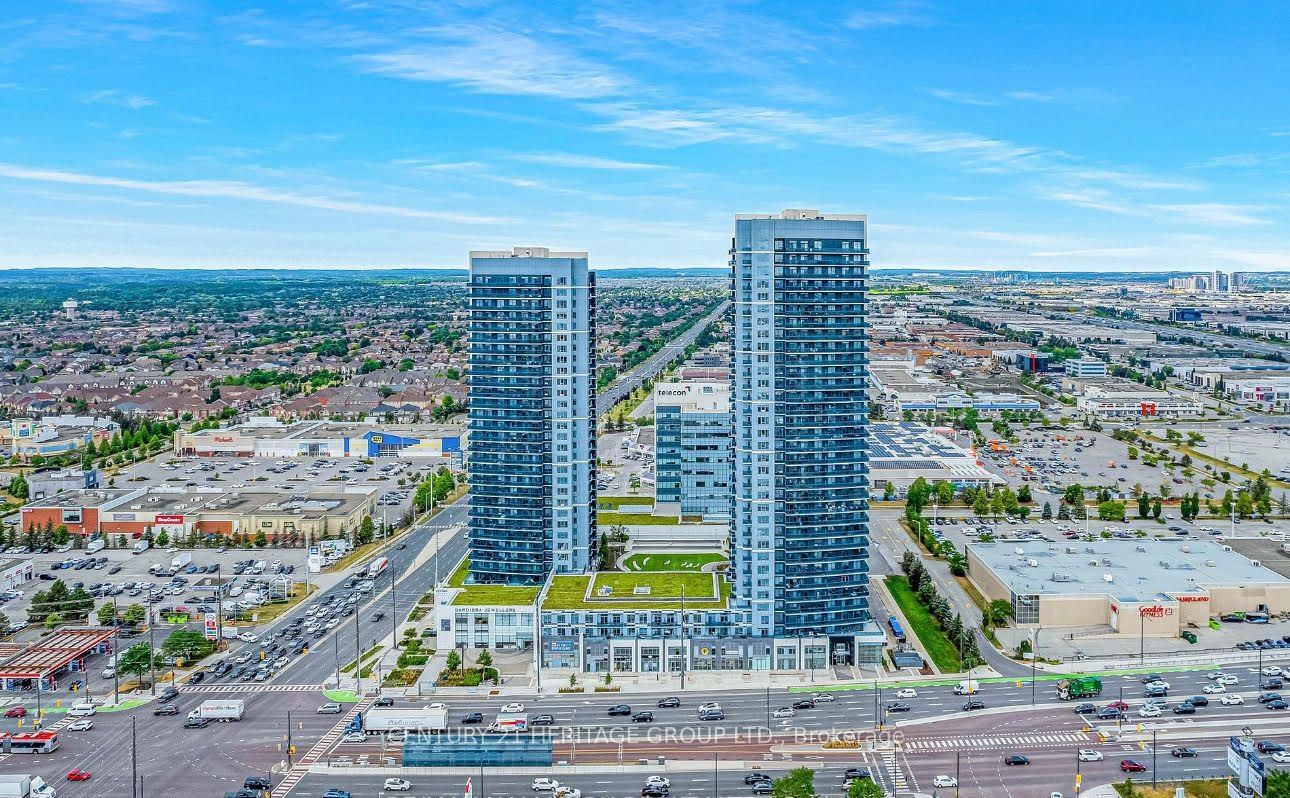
(1079, 687)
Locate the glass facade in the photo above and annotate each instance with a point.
(692, 447)
(799, 522)
(532, 415)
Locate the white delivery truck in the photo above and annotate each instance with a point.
(221, 709)
(94, 545)
(507, 722)
(259, 566)
(181, 560)
(25, 786)
(967, 687)
(140, 546)
(426, 719)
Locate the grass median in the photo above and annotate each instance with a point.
(923, 626)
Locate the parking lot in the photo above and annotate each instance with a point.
(1256, 445)
(617, 466)
(1057, 459)
(395, 478)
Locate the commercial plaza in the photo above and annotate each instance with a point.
(796, 593)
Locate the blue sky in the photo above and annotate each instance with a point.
(348, 133)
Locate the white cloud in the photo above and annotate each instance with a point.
(1217, 213)
(1135, 180)
(236, 190)
(574, 161)
(492, 60)
(1107, 252)
(890, 15)
(120, 99)
(961, 98)
(1030, 96)
(1095, 198)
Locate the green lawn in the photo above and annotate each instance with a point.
(613, 502)
(938, 647)
(499, 595)
(671, 562)
(458, 577)
(606, 519)
(567, 592)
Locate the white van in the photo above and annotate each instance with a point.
(82, 709)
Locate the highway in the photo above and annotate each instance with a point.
(631, 380)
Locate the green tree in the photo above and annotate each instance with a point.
(1111, 511)
(53, 619)
(135, 660)
(797, 783)
(61, 535)
(261, 539)
(981, 504)
(889, 492)
(106, 615)
(163, 538)
(485, 659)
(944, 491)
(134, 614)
(187, 644)
(1023, 494)
(1144, 505)
(366, 530)
(452, 662)
(1244, 504)
(1156, 508)
(1074, 494)
(1047, 514)
(18, 486)
(998, 612)
(864, 788)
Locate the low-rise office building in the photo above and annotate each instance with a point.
(1118, 399)
(901, 452)
(1085, 367)
(692, 448)
(1147, 587)
(16, 573)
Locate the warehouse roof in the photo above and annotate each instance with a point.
(1127, 569)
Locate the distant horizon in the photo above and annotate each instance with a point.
(719, 269)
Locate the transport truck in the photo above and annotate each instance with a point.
(379, 720)
(25, 786)
(509, 722)
(140, 546)
(180, 560)
(377, 567)
(223, 710)
(97, 544)
(1079, 687)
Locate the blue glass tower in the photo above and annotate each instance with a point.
(799, 522)
(692, 447)
(532, 416)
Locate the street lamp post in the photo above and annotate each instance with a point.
(1034, 658)
(116, 655)
(152, 648)
(1153, 758)
(958, 755)
(289, 763)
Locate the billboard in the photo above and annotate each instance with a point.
(212, 626)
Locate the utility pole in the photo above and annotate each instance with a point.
(716, 793)
(1034, 657)
(1078, 777)
(134, 761)
(116, 655)
(683, 645)
(358, 651)
(394, 608)
(957, 757)
(336, 642)
(152, 649)
(219, 605)
(1153, 758)
(289, 763)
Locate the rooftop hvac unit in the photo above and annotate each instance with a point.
(1108, 577)
(1210, 563)
(1106, 563)
(1089, 550)
(1019, 551)
(1092, 563)
(1256, 563)
(136, 507)
(1186, 549)
(1165, 565)
(1062, 578)
(1033, 563)
(1069, 550)
(1142, 549)
(1227, 548)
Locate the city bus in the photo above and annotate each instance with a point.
(897, 631)
(45, 742)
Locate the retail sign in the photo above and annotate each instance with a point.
(223, 438)
(212, 627)
(169, 519)
(1192, 599)
(561, 646)
(1155, 611)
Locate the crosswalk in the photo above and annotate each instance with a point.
(893, 772)
(301, 766)
(998, 741)
(250, 688)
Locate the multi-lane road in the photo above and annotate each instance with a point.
(632, 380)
